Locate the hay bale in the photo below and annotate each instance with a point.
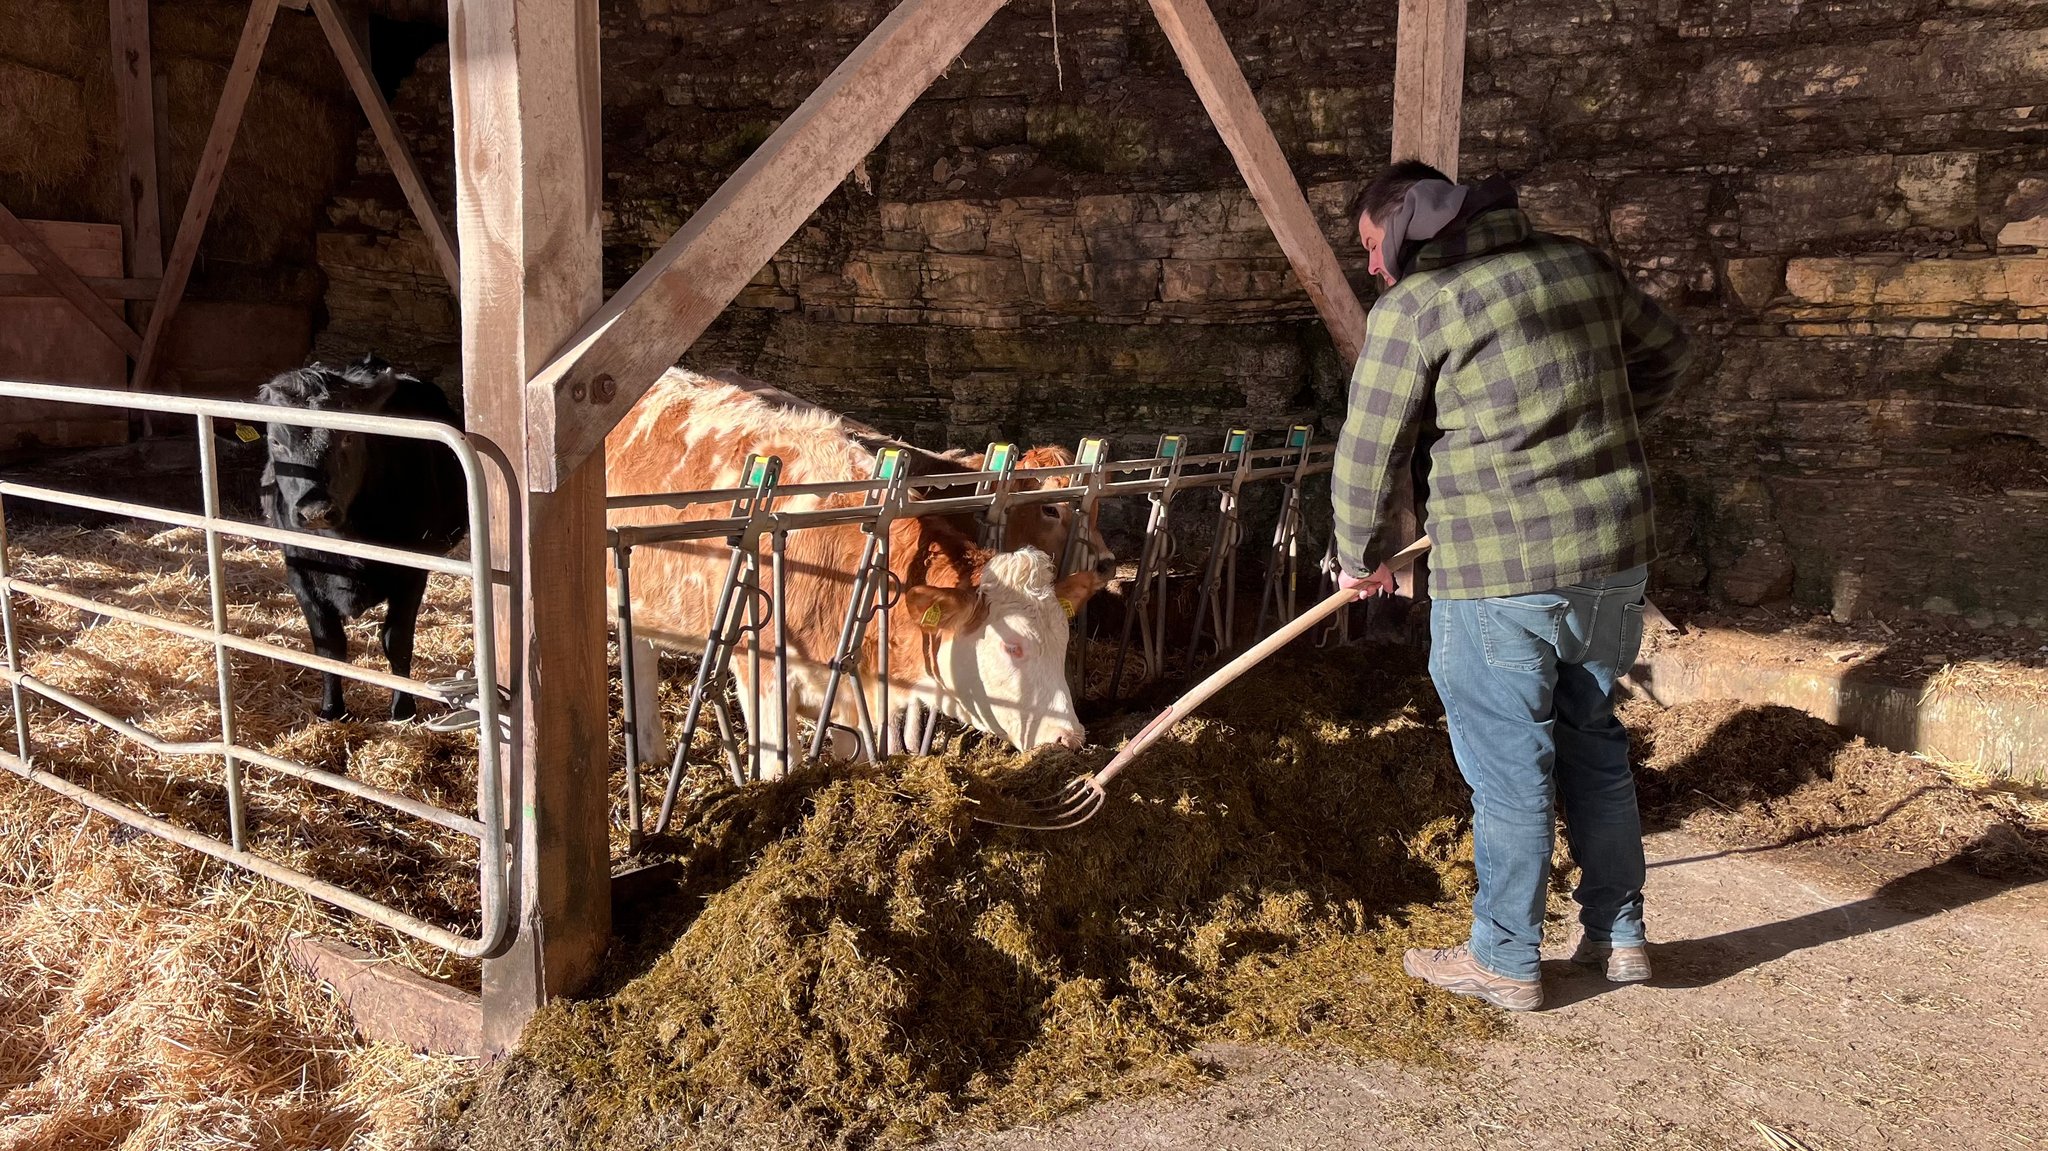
(58, 36)
(293, 148)
(43, 120)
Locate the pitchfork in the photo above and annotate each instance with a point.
(1084, 795)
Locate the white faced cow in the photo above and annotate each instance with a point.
(979, 636)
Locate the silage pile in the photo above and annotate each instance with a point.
(849, 957)
(1764, 776)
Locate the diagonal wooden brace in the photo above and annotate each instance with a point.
(618, 353)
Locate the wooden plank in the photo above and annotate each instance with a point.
(617, 355)
(43, 337)
(106, 287)
(1429, 82)
(356, 66)
(213, 163)
(134, 97)
(391, 1004)
(529, 194)
(66, 282)
(1204, 54)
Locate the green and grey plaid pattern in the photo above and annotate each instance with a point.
(1521, 363)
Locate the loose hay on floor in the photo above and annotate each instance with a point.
(146, 999)
(1760, 775)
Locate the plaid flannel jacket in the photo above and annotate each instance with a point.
(1520, 363)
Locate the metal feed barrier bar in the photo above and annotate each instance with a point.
(758, 512)
(487, 827)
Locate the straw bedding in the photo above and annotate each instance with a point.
(847, 958)
(146, 999)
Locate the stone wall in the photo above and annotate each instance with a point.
(1844, 200)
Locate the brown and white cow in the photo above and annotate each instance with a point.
(979, 636)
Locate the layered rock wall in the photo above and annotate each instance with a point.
(1846, 201)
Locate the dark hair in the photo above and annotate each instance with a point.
(1382, 192)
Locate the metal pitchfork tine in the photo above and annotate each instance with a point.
(1084, 795)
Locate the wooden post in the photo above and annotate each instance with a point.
(528, 197)
(1198, 40)
(356, 66)
(1429, 96)
(213, 163)
(135, 97)
(1429, 82)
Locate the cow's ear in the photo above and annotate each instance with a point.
(942, 610)
(378, 392)
(1075, 590)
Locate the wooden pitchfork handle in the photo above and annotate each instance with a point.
(1223, 676)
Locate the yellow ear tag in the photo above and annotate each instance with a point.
(1067, 605)
(247, 434)
(931, 616)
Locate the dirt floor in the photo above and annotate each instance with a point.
(1824, 992)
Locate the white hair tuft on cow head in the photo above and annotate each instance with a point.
(1026, 574)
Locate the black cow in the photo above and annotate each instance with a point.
(377, 489)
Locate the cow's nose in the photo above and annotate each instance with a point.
(1105, 566)
(1072, 739)
(316, 514)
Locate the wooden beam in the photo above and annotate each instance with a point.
(616, 356)
(105, 287)
(135, 96)
(213, 163)
(1429, 82)
(529, 195)
(356, 66)
(1429, 96)
(390, 1004)
(65, 282)
(1197, 39)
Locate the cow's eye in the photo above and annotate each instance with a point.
(1050, 511)
(1013, 650)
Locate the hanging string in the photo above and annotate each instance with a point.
(1059, 72)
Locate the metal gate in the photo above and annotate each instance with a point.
(486, 825)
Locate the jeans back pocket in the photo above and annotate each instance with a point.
(1520, 635)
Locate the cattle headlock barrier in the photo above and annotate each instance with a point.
(749, 622)
(754, 524)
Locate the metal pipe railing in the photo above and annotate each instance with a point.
(740, 520)
(488, 827)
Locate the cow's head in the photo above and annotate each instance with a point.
(998, 650)
(1048, 527)
(315, 473)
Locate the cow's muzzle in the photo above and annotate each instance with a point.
(317, 513)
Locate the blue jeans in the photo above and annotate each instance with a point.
(1527, 683)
